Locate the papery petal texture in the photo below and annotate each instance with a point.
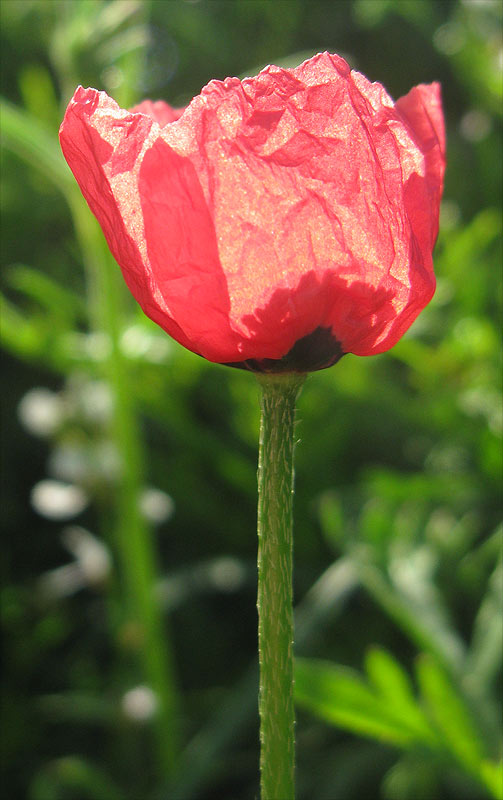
(277, 222)
(158, 110)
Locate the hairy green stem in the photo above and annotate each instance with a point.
(275, 506)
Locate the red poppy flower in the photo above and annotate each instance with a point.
(276, 223)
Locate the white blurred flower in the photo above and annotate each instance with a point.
(82, 462)
(96, 346)
(41, 411)
(140, 704)
(475, 125)
(58, 501)
(156, 505)
(108, 461)
(61, 582)
(90, 553)
(226, 573)
(90, 400)
(135, 341)
(91, 566)
(95, 401)
(138, 342)
(449, 38)
(67, 462)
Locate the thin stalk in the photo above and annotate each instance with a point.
(274, 603)
(134, 540)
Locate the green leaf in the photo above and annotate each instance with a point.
(471, 241)
(37, 339)
(340, 697)
(395, 686)
(411, 778)
(57, 300)
(18, 334)
(37, 90)
(387, 710)
(484, 657)
(332, 518)
(73, 775)
(80, 707)
(36, 144)
(449, 713)
(388, 677)
(491, 773)
(424, 623)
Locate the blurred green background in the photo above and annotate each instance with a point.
(129, 465)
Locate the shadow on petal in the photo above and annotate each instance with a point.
(311, 326)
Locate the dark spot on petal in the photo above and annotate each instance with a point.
(318, 350)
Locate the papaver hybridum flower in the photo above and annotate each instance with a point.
(275, 223)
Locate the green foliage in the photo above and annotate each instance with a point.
(129, 473)
(436, 726)
(386, 711)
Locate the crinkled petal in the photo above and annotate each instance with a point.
(159, 111)
(312, 170)
(114, 154)
(297, 209)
